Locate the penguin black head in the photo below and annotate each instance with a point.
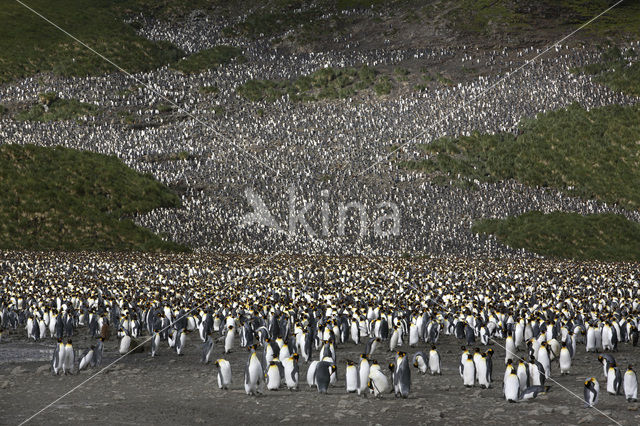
(433, 347)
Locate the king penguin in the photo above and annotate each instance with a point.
(591, 391)
(224, 373)
(630, 385)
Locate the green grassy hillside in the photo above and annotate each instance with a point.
(592, 154)
(606, 237)
(64, 199)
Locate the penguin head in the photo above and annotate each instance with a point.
(392, 366)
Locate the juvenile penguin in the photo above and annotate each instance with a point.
(224, 373)
(591, 391)
(630, 385)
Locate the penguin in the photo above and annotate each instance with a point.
(181, 341)
(155, 343)
(395, 337)
(606, 360)
(591, 391)
(434, 361)
(363, 374)
(69, 358)
(614, 380)
(481, 372)
(511, 388)
(97, 353)
(523, 375)
(537, 374)
(311, 373)
(322, 376)
(419, 362)
(510, 347)
(533, 391)
(224, 373)
(591, 345)
(228, 340)
(378, 382)
(125, 343)
(207, 349)
(86, 359)
(253, 373)
(291, 372)
(630, 385)
(469, 372)
(402, 376)
(58, 357)
(463, 359)
(372, 344)
(544, 360)
(352, 378)
(565, 360)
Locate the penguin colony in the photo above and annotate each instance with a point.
(293, 316)
(316, 146)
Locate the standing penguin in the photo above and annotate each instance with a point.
(363, 374)
(402, 376)
(322, 376)
(481, 372)
(229, 339)
(630, 385)
(591, 391)
(224, 373)
(207, 349)
(352, 379)
(311, 373)
(469, 371)
(372, 344)
(181, 341)
(69, 358)
(511, 387)
(291, 372)
(253, 373)
(125, 343)
(434, 361)
(58, 357)
(155, 342)
(97, 353)
(614, 380)
(273, 376)
(565, 359)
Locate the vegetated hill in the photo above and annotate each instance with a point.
(65, 199)
(605, 237)
(592, 154)
(31, 45)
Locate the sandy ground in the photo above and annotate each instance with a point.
(179, 390)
